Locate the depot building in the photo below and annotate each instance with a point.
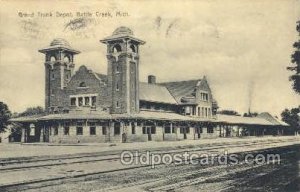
(86, 106)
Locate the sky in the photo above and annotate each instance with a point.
(242, 46)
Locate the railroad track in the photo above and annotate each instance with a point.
(185, 178)
(35, 159)
(35, 184)
(86, 158)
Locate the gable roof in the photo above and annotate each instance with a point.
(267, 116)
(168, 92)
(180, 89)
(239, 120)
(102, 77)
(155, 93)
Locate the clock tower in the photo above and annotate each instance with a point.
(123, 70)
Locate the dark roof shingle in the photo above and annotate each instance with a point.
(181, 89)
(155, 93)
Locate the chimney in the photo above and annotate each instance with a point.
(151, 79)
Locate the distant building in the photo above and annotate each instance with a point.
(84, 106)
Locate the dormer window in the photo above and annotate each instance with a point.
(82, 84)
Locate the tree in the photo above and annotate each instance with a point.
(295, 59)
(32, 111)
(5, 115)
(229, 112)
(249, 114)
(291, 117)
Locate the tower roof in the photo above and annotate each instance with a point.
(122, 33)
(59, 44)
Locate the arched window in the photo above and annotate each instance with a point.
(66, 59)
(117, 87)
(132, 48)
(52, 59)
(82, 84)
(117, 48)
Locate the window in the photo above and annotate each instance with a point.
(194, 110)
(210, 130)
(32, 130)
(132, 128)
(117, 68)
(144, 130)
(66, 130)
(167, 129)
(79, 128)
(104, 130)
(94, 101)
(206, 112)
(204, 96)
(117, 104)
(55, 130)
(199, 111)
(52, 76)
(209, 112)
(148, 106)
(153, 130)
(86, 101)
(82, 84)
(117, 129)
(93, 130)
(173, 129)
(187, 110)
(202, 112)
(187, 130)
(117, 86)
(52, 59)
(66, 59)
(80, 101)
(117, 48)
(132, 48)
(184, 130)
(73, 101)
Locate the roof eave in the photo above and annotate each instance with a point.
(44, 50)
(113, 38)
